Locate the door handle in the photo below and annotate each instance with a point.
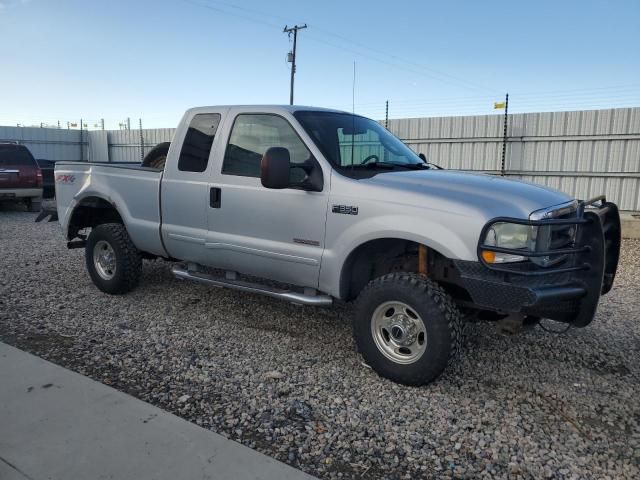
(215, 199)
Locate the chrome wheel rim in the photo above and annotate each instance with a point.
(399, 332)
(104, 259)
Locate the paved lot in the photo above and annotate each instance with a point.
(286, 380)
(58, 425)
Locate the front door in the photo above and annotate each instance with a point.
(276, 234)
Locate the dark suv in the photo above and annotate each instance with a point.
(20, 176)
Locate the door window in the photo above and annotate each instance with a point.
(252, 135)
(194, 155)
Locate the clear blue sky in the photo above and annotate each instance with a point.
(66, 59)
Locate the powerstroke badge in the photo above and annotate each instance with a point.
(344, 209)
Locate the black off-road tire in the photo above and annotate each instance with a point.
(128, 261)
(438, 312)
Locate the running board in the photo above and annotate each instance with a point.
(301, 298)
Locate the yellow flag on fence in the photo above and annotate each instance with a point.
(499, 105)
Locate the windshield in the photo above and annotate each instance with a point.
(351, 142)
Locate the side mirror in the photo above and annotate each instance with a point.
(274, 168)
(422, 157)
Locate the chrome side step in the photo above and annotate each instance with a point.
(182, 273)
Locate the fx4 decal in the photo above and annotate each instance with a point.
(65, 179)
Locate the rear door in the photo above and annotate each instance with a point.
(275, 234)
(184, 198)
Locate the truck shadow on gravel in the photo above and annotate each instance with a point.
(11, 207)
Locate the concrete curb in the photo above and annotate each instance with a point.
(57, 424)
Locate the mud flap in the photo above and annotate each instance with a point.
(52, 213)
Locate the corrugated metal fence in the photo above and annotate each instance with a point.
(124, 145)
(583, 153)
(49, 143)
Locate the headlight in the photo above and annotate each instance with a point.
(508, 235)
(532, 239)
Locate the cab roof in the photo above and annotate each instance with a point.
(269, 108)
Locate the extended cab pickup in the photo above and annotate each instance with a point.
(334, 206)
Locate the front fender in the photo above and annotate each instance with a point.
(456, 238)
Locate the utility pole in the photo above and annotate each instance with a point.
(292, 55)
(102, 123)
(504, 135)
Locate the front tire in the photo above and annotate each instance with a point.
(407, 328)
(113, 261)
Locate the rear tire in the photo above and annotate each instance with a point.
(34, 204)
(407, 328)
(113, 261)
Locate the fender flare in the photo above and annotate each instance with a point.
(78, 202)
(350, 257)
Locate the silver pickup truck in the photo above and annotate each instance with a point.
(312, 205)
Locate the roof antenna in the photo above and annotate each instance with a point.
(353, 90)
(353, 114)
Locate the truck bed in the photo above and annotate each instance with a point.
(132, 189)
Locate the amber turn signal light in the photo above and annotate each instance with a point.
(488, 256)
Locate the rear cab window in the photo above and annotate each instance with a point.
(196, 147)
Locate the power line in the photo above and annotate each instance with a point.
(432, 74)
(399, 66)
(435, 73)
(515, 104)
(528, 97)
(381, 56)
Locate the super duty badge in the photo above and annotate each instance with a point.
(344, 209)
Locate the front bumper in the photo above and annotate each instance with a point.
(567, 292)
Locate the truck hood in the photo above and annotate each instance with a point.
(459, 192)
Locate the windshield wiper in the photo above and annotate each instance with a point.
(392, 165)
(417, 166)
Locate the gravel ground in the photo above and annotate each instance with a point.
(285, 380)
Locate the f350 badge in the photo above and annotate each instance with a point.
(345, 209)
